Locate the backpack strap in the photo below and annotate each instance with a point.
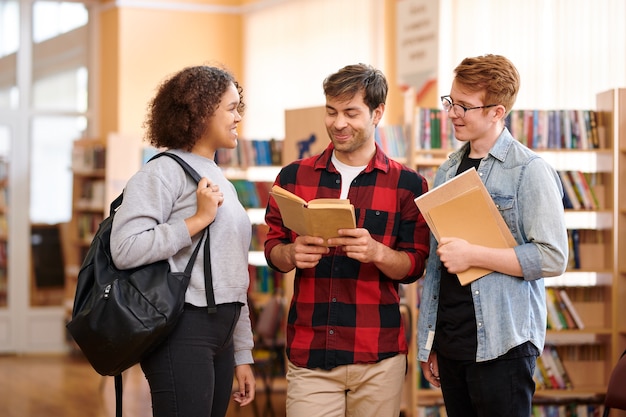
(208, 275)
(118, 395)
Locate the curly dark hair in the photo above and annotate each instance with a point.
(184, 103)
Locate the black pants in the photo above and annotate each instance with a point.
(497, 388)
(191, 373)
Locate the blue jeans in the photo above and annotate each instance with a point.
(501, 387)
(191, 373)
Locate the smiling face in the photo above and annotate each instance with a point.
(481, 127)
(351, 128)
(221, 129)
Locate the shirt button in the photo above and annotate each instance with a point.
(476, 292)
(334, 300)
(337, 181)
(331, 331)
(480, 324)
(377, 213)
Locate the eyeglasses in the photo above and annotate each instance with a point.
(459, 110)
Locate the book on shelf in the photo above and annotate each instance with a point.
(551, 352)
(561, 311)
(571, 309)
(573, 408)
(432, 130)
(463, 208)
(550, 373)
(578, 190)
(264, 279)
(564, 313)
(321, 217)
(570, 198)
(251, 152)
(556, 321)
(555, 129)
(392, 140)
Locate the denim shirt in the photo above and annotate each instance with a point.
(509, 310)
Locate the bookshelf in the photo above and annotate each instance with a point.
(611, 108)
(252, 168)
(88, 208)
(595, 282)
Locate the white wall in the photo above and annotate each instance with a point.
(291, 46)
(566, 50)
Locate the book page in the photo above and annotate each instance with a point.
(329, 203)
(292, 212)
(277, 190)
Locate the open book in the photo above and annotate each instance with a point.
(319, 217)
(463, 208)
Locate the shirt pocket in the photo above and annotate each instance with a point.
(506, 207)
(377, 222)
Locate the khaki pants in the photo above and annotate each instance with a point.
(362, 390)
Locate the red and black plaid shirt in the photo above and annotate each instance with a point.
(344, 311)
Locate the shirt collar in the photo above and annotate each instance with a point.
(380, 161)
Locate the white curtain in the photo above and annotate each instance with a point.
(566, 50)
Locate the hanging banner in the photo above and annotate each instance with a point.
(417, 40)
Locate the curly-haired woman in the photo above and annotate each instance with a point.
(164, 213)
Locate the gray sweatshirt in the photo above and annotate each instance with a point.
(150, 226)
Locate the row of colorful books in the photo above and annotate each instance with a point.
(537, 129)
(433, 130)
(392, 140)
(555, 129)
(87, 224)
(571, 409)
(263, 279)
(251, 153)
(259, 236)
(568, 410)
(562, 313)
(252, 194)
(579, 189)
(550, 372)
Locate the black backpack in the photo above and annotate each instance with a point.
(121, 315)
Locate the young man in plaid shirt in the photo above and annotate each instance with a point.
(346, 344)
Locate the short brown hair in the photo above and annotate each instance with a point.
(179, 113)
(493, 74)
(345, 83)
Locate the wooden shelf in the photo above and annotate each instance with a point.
(88, 209)
(605, 326)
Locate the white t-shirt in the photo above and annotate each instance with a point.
(348, 173)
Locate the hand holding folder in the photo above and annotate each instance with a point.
(463, 208)
(320, 217)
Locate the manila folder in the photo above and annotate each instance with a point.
(463, 208)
